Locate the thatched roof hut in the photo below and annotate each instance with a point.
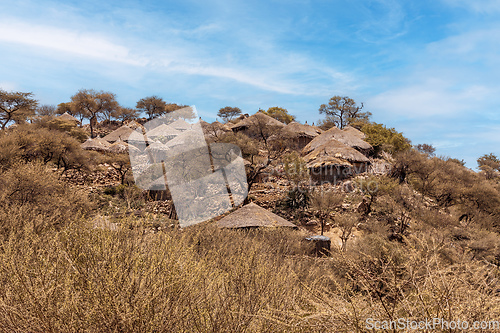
(295, 129)
(256, 120)
(336, 134)
(133, 124)
(122, 147)
(121, 133)
(300, 134)
(354, 131)
(215, 129)
(335, 150)
(189, 139)
(96, 144)
(163, 130)
(180, 125)
(253, 216)
(334, 161)
(67, 117)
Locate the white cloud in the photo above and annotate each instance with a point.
(426, 100)
(67, 41)
(480, 6)
(267, 68)
(8, 86)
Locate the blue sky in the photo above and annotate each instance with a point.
(428, 68)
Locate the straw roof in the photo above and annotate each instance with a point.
(258, 118)
(336, 134)
(190, 139)
(295, 129)
(180, 124)
(162, 130)
(221, 126)
(252, 216)
(354, 131)
(121, 133)
(133, 124)
(214, 129)
(121, 147)
(96, 144)
(157, 146)
(334, 152)
(67, 117)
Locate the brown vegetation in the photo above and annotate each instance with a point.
(83, 249)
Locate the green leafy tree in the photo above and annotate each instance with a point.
(279, 114)
(152, 106)
(228, 113)
(385, 139)
(342, 110)
(93, 104)
(16, 106)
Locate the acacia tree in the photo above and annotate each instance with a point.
(46, 110)
(261, 149)
(280, 114)
(153, 106)
(92, 104)
(228, 113)
(121, 114)
(342, 110)
(80, 114)
(16, 106)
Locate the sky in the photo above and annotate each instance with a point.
(429, 69)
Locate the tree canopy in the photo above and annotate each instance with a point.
(16, 106)
(228, 113)
(280, 114)
(92, 104)
(152, 106)
(386, 139)
(342, 111)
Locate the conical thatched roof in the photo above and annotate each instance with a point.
(295, 130)
(180, 125)
(162, 130)
(122, 147)
(133, 124)
(336, 134)
(221, 126)
(334, 152)
(96, 144)
(157, 146)
(258, 118)
(121, 133)
(214, 129)
(67, 117)
(252, 216)
(354, 131)
(191, 139)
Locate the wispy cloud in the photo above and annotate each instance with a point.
(68, 41)
(491, 7)
(266, 68)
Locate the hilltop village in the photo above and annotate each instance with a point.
(330, 225)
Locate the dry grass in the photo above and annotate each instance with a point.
(60, 274)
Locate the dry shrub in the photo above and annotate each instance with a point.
(83, 279)
(30, 143)
(32, 194)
